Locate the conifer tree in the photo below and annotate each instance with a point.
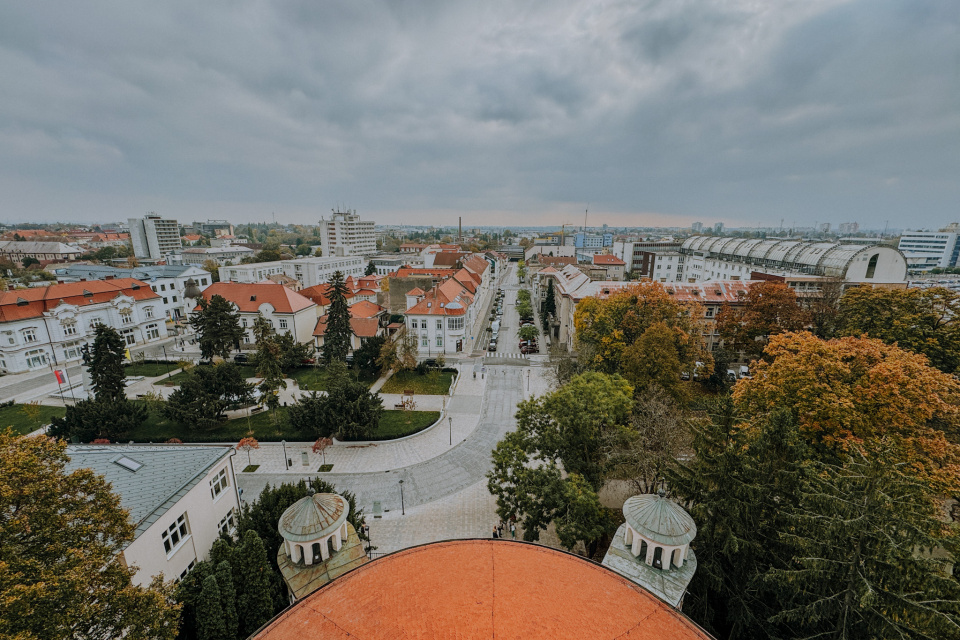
(336, 339)
(254, 602)
(217, 324)
(105, 363)
(549, 305)
(228, 595)
(210, 622)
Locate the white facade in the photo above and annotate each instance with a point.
(56, 337)
(154, 237)
(347, 235)
(221, 255)
(926, 250)
(308, 271)
(438, 334)
(299, 323)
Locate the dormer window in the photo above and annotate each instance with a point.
(21, 302)
(87, 294)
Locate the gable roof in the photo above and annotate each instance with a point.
(360, 327)
(320, 293)
(606, 259)
(167, 474)
(365, 309)
(32, 303)
(248, 297)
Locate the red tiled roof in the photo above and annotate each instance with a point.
(320, 294)
(365, 309)
(480, 590)
(449, 298)
(556, 260)
(406, 272)
(40, 299)
(361, 327)
(249, 297)
(416, 291)
(608, 260)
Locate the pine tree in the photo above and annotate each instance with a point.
(255, 601)
(210, 621)
(105, 364)
(371, 269)
(217, 324)
(549, 305)
(336, 339)
(228, 596)
(268, 362)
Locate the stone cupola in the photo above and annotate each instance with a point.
(314, 528)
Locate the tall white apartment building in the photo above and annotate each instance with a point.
(347, 235)
(926, 250)
(154, 237)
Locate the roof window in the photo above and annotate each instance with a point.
(21, 302)
(128, 463)
(253, 298)
(87, 294)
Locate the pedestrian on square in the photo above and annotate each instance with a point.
(495, 536)
(500, 528)
(513, 530)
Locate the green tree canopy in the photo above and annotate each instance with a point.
(371, 269)
(104, 362)
(206, 393)
(217, 324)
(349, 410)
(61, 538)
(336, 339)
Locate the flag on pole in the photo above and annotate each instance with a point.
(61, 376)
(126, 354)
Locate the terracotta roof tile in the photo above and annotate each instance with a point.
(249, 297)
(479, 590)
(41, 299)
(608, 260)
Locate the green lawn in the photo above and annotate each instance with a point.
(150, 369)
(16, 418)
(394, 424)
(316, 379)
(435, 383)
(246, 370)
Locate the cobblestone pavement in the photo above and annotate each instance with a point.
(433, 478)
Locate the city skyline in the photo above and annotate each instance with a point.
(648, 114)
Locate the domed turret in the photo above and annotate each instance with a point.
(314, 527)
(659, 527)
(191, 289)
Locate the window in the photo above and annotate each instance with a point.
(70, 327)
(148, 311)
(36, 358)
(165, 301)
(128, 337)
(228, 523)
(219, 483)
(454, 323)
(203, 281)
(126, 317)
(243, 322)
(163, 287)
(175, 534)
(29, 335)
(283, 323)
(425, 342)
(414, 324)
(174, 298)
(872, 265)
(154, 287)
(152, 333)
(190, 566)
(439, 341)
(439, 325)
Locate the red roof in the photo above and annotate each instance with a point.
(249, 297)
(406, 272)
(606, 259)
(361, 327)
(365, 309)
(480, 590)
(449, 298)
(416, 291)
(31, 303)
(320, 294)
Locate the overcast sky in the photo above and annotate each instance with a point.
(523, 112)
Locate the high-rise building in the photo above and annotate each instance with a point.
(926, 250)
(718, 227)
(697, 227)
(154, 237)
(845, 228)
(347, 235)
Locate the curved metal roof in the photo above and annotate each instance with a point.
(313, 517)
(660, 519)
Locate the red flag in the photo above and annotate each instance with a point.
(61, 379)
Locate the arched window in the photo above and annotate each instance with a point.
(872, 265)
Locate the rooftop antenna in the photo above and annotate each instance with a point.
(585, 211)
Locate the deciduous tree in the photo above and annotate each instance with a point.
(654, 359)
(61, 538)
(549, 305)
(769, 309)
(248, 444)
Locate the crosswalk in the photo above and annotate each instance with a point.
(490, 357)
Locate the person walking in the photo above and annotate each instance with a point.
(513, 530)
(495, 534)
(500, 528)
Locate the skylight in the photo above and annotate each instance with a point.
(128, 463)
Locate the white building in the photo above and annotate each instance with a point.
(47, 326)
(223, 256)
(17, 250)
(347, 235)
(709, 258)
(285, 309)
(180, 498)
(926, 250)
(169, 281)
(309, 271)
(154, 237)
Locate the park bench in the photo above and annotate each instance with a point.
(256, 410)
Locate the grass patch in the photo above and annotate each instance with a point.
(324, 468)
(434, 383)
(250, 468)
(159, 429)
(247, 371)
(317, 379)
(22, 424)
(398, 423)
(150, 369)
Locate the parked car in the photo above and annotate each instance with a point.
(241, 358)
(530, 349)
(492, 346)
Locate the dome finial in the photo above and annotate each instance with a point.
(310, 491)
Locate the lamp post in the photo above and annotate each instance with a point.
(450, 422)
(165, 360)
(528, 380)
(403, 511)
(286, 467)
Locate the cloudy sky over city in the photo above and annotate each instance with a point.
(524, 112)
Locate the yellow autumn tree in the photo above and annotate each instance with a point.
(607, 326)
(859, 390)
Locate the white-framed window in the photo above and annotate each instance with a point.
(414, 324)
(228, 523)
(148, 311)
(455, 323)
(203, 281)
(425, 342)
(36, 358)
(175, 534)
(153, 332)
(183, 574)
(243, 322)
(69, 327)
(174, 298)
(439, 325)
(163, 287)
(165, 301)
(283, 323)
(219, 483)
(71, 351)
(439, 341)
(126, 316)
(29, 335)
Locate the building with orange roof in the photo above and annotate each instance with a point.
(480, 590)
(612, 266)
(367, 320)
(46, 327)
(288, 311)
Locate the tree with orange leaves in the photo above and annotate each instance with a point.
(857, 391)
(247, 444)
(606, 327)
(769, 309)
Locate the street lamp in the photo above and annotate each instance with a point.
(286, 466)
(165, 360)
(450, 422)
(403, 511)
